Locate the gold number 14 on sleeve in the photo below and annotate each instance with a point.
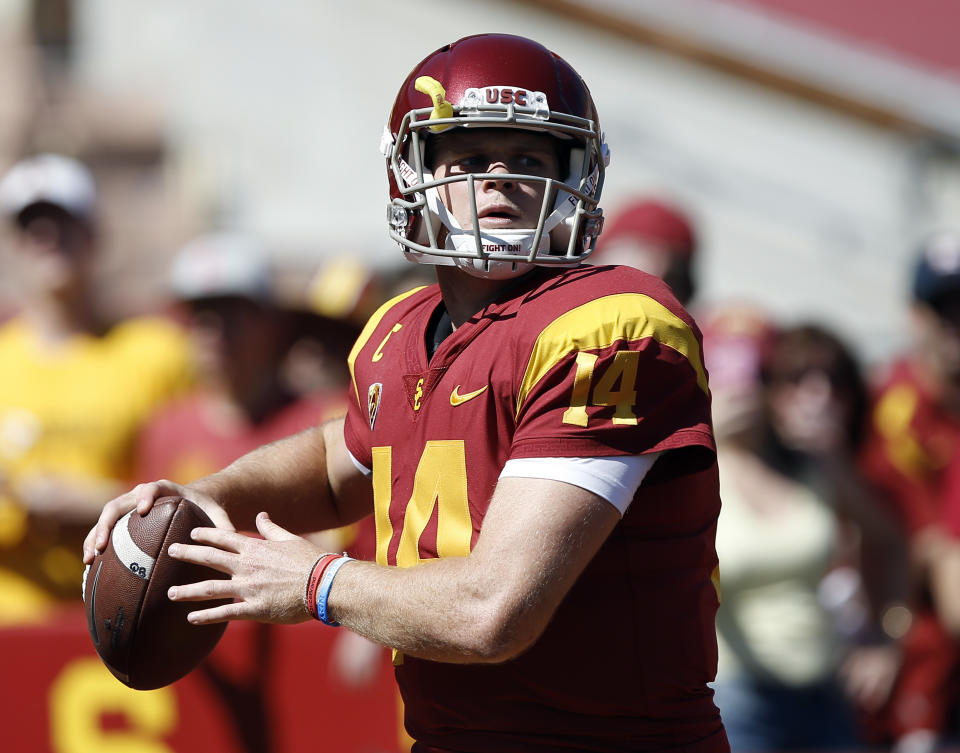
(615, 386)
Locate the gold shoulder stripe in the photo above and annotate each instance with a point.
(367, 333)
(602, 322)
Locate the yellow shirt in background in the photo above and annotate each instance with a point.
(74, 411)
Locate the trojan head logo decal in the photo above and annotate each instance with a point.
(438, 95)
(373, 401)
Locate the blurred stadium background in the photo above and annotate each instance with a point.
(814, 142)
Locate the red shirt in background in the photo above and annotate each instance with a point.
(186, 440)
(910, 443)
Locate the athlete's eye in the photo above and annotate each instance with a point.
(536, 162)
(471, 163)
(529, 162)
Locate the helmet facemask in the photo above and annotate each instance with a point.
(569, 218)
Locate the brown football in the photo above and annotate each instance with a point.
(142, 636)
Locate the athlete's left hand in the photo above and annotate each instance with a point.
(268, 576)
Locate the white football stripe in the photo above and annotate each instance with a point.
(133, 557)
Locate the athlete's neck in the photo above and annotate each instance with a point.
(465, 295)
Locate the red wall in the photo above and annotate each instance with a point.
(265, 689)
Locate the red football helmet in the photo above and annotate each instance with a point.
(499, 81)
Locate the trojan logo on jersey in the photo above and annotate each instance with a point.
(373, 401)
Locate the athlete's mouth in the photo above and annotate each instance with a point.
(499, 213)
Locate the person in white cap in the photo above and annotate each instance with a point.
(74, 386)
(239, 335)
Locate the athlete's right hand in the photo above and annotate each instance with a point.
(141, 498)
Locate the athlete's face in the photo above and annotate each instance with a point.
(501, 202)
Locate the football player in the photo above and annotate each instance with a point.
(532, 436)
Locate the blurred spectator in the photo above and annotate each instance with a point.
(74, 387)
(944, 560)
(788, 411)
(240, 340)
(914, 431)
(345, 289)
(316, 360)
(340, 297)
(656, 237)
(406, 276)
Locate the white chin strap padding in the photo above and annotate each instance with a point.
(513, 241)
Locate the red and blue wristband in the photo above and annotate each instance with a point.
(323, 591)
(313, 582)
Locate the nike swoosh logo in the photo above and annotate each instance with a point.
(457, 399)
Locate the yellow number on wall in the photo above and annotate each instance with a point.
(85, 690)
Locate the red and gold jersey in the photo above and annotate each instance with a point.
(910, 442)
(577, 363)
(950, 514)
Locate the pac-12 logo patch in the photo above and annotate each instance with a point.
(373, 401)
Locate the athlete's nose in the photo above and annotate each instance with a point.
(498, 183)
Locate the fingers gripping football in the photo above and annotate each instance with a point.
(267, 576)
(142, 498)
